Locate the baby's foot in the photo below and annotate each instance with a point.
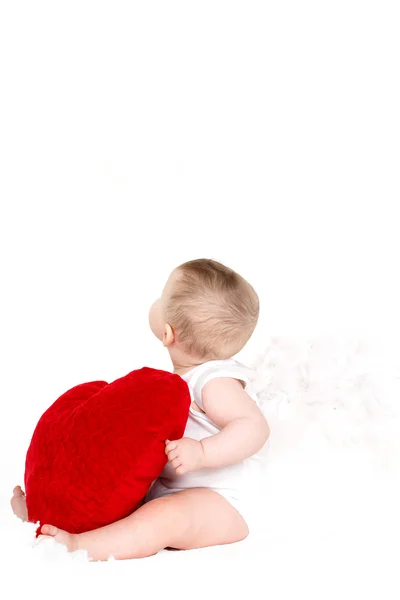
(18, 503)
(70, 540)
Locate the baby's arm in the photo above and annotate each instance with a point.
(244, 429)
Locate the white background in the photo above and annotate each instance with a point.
(137, 135)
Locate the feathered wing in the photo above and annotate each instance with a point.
(342, 392)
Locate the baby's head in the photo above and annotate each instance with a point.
(206, 311)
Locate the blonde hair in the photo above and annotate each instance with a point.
(212, 309)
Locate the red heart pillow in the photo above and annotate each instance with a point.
(97, 449)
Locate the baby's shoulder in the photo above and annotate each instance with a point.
(228, 369)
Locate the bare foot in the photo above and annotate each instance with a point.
(18, 503)
(70, 540)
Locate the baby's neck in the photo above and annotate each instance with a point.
(182, 369)
(182, 362)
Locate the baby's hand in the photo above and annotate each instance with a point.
(184, 455)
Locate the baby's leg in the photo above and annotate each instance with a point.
(184, 520)
(18, 503)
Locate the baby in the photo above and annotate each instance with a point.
(205, 315)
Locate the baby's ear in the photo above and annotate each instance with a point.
(169, 335)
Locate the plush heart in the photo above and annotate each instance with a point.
(97, 449)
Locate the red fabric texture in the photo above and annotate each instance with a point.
(97, 449)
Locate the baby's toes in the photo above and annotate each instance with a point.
(49, 530)
(62, 537)
(17, 491)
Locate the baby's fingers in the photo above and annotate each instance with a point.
(170, 446)
(173, 454)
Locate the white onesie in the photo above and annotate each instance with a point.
(238, 483)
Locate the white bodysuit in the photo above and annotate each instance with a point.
(238, 483)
